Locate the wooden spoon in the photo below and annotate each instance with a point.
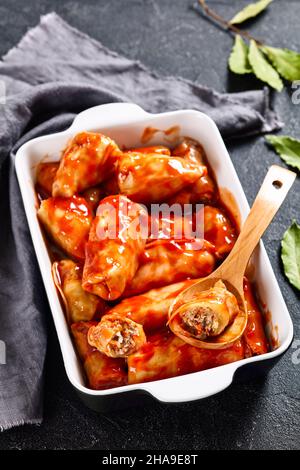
(271, 195)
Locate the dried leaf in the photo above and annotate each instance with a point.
(286, 62)
(290, 254)
(250, 11)
(262, 68)
(287, 147)
(238, 60)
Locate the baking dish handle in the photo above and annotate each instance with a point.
(192, 386)
(107, 115)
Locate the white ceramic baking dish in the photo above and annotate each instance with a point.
(126, 124)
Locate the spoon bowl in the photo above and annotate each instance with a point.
(270, 197)
(231, 333)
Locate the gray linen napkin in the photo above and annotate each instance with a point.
(55, 72)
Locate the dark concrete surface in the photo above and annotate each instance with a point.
(171, 38)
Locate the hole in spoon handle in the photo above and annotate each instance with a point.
(277, 184)
(270, 197)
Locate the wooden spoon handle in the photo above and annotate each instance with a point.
(271, 195)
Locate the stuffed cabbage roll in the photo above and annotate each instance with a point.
(204, 189)
(88, 159)
(45, 175)
(167, 261)
(191, 150)
(116, 241)
(102, 372)
(165, 355)
(151, 308)
(211, 318)
(219, 230)
(151, 177)
(68, 221)
(79, 304)
(208, 222)
(116, 335)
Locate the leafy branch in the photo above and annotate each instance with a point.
(227, 25)
(267, 63)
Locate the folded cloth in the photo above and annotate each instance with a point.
(55, 72)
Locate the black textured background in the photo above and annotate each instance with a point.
(171, 38)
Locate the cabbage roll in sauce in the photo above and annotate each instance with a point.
(116, 242)
(45, 175)
(165, 355)
(203, 190)
(68, 222)
(88, 159)
(191, 150)
(151, 308)
(205, 316)
(102, 371)
(152, 177)
(116, 335)
(219, 230)
(79, 304)
(167, 261)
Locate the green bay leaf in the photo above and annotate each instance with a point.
(290, 254)
(287, 147)
(262, 68)
(286, 62)
(238, 60)
(250, 11)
